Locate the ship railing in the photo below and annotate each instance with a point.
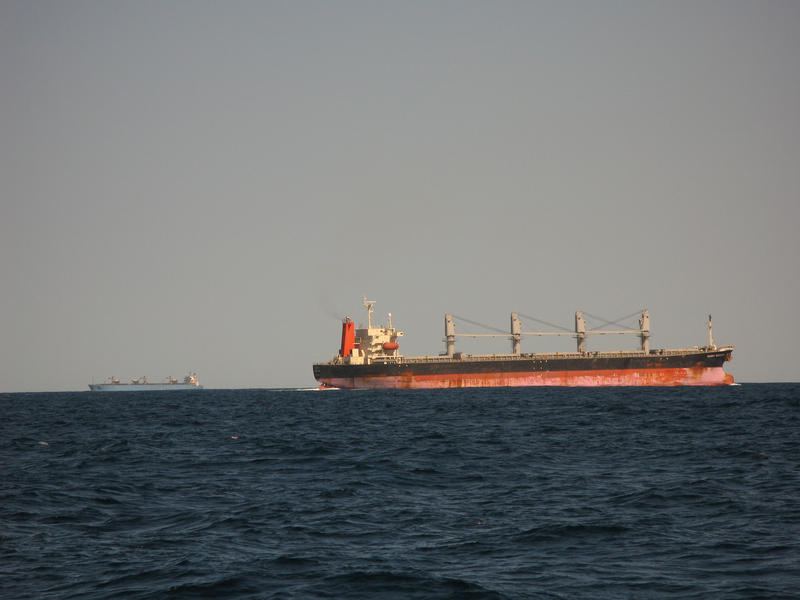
(537, 356)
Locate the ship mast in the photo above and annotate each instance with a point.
(450, 335)
(580, 331)
(644, 327)
(370, 306)
(710, 336)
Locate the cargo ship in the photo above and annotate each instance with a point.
(369, 358)
(140, 384)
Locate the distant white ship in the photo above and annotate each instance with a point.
(140, 384)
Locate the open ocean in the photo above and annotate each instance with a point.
(475, 494)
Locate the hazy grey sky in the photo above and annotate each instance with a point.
(210, 185)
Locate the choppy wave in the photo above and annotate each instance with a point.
(490, 494)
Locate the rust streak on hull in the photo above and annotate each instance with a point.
(590, 378)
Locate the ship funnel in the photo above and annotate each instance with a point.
(348, 337)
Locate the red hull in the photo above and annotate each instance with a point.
(592, 378)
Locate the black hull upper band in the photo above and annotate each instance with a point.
(522, 365)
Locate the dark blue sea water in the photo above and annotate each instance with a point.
(500, 493)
